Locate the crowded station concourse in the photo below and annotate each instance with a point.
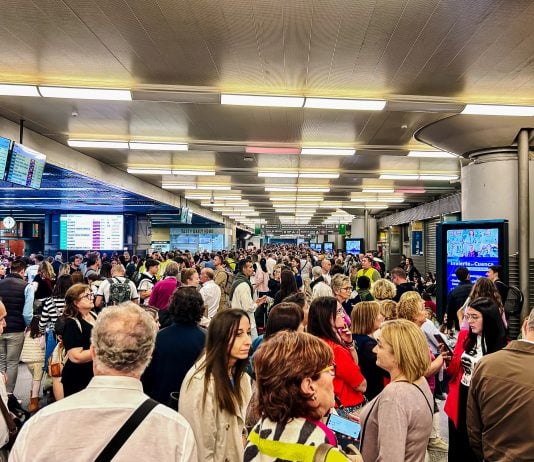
(390, 381)
(321, 202)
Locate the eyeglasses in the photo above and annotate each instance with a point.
(89, 296)
(474, 317)
(330, 369)
(347, 288)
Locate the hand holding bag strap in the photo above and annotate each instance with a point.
(116, 443)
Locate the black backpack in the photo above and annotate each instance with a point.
(119, 291)
(514, 301)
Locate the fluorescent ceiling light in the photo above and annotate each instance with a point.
(377, 199)
(348, 104)
(149, 171)
(432, 154)
(178, 186)
(259, 100)
(280, 188)
(413, 190)
(405, 176)
(318, 175)
(214, 187)
(267, 150)
(431, 177)
(85, 93)
(328, 152)
(103, 144)
(18, 90)
(498, 110)
(278, 174)
(313, 189)
(176, 171)
(365, 206)
(298, 198)
(378, 190)
(158, 146)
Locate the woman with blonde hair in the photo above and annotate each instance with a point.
(396, 424)
(367, 319)
(43, 284)
(383, 289)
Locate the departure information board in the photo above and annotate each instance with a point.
(4, 151)
(26, 166)
(91, 232)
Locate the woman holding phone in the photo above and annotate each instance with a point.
(294, 380)
(327, 321)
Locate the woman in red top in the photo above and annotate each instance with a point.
(327, 322)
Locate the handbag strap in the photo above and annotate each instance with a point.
(11, 426)
(116, 443)
(322, 452)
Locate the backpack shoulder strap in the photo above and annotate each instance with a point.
(116, 443)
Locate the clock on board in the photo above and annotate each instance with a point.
(8, 222)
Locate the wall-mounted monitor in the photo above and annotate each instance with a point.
(91, 232)
(186, 215)
(25, 166)
(474, 244)
(316, 246)
(328, 246)
(354, 246)
(5, 145)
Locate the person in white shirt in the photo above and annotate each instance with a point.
(326, 264)
(271, 263)
(211, 292)
(117, 275)
(241, 294)
(122, 342)
(32, 270)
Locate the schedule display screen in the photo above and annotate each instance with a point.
(91, 232)
(26, 166)
(4, 150)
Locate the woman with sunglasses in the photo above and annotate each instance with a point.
(79, 321)
(486, 334)
(294, 380)
(327, 321)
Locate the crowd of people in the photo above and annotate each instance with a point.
(280, 353)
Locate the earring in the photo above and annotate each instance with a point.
(314, 397)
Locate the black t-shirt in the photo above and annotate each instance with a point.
(76, 377)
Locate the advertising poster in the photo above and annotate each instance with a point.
(417, 239)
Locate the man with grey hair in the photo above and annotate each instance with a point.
(211, 292)
(80, 426)
(501, 401)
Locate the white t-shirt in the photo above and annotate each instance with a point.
(469, 360)
(103, 288)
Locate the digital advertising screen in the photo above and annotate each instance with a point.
(91, 232)
(476, 245)
(328, 246)
(25, 166)
(5, 144)
(316, 246)
(354, 246)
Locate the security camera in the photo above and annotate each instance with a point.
(212, 200)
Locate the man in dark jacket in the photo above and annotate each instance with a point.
(398, 277)
(458, 296)
(17, 296)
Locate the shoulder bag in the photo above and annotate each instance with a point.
(12, 426)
